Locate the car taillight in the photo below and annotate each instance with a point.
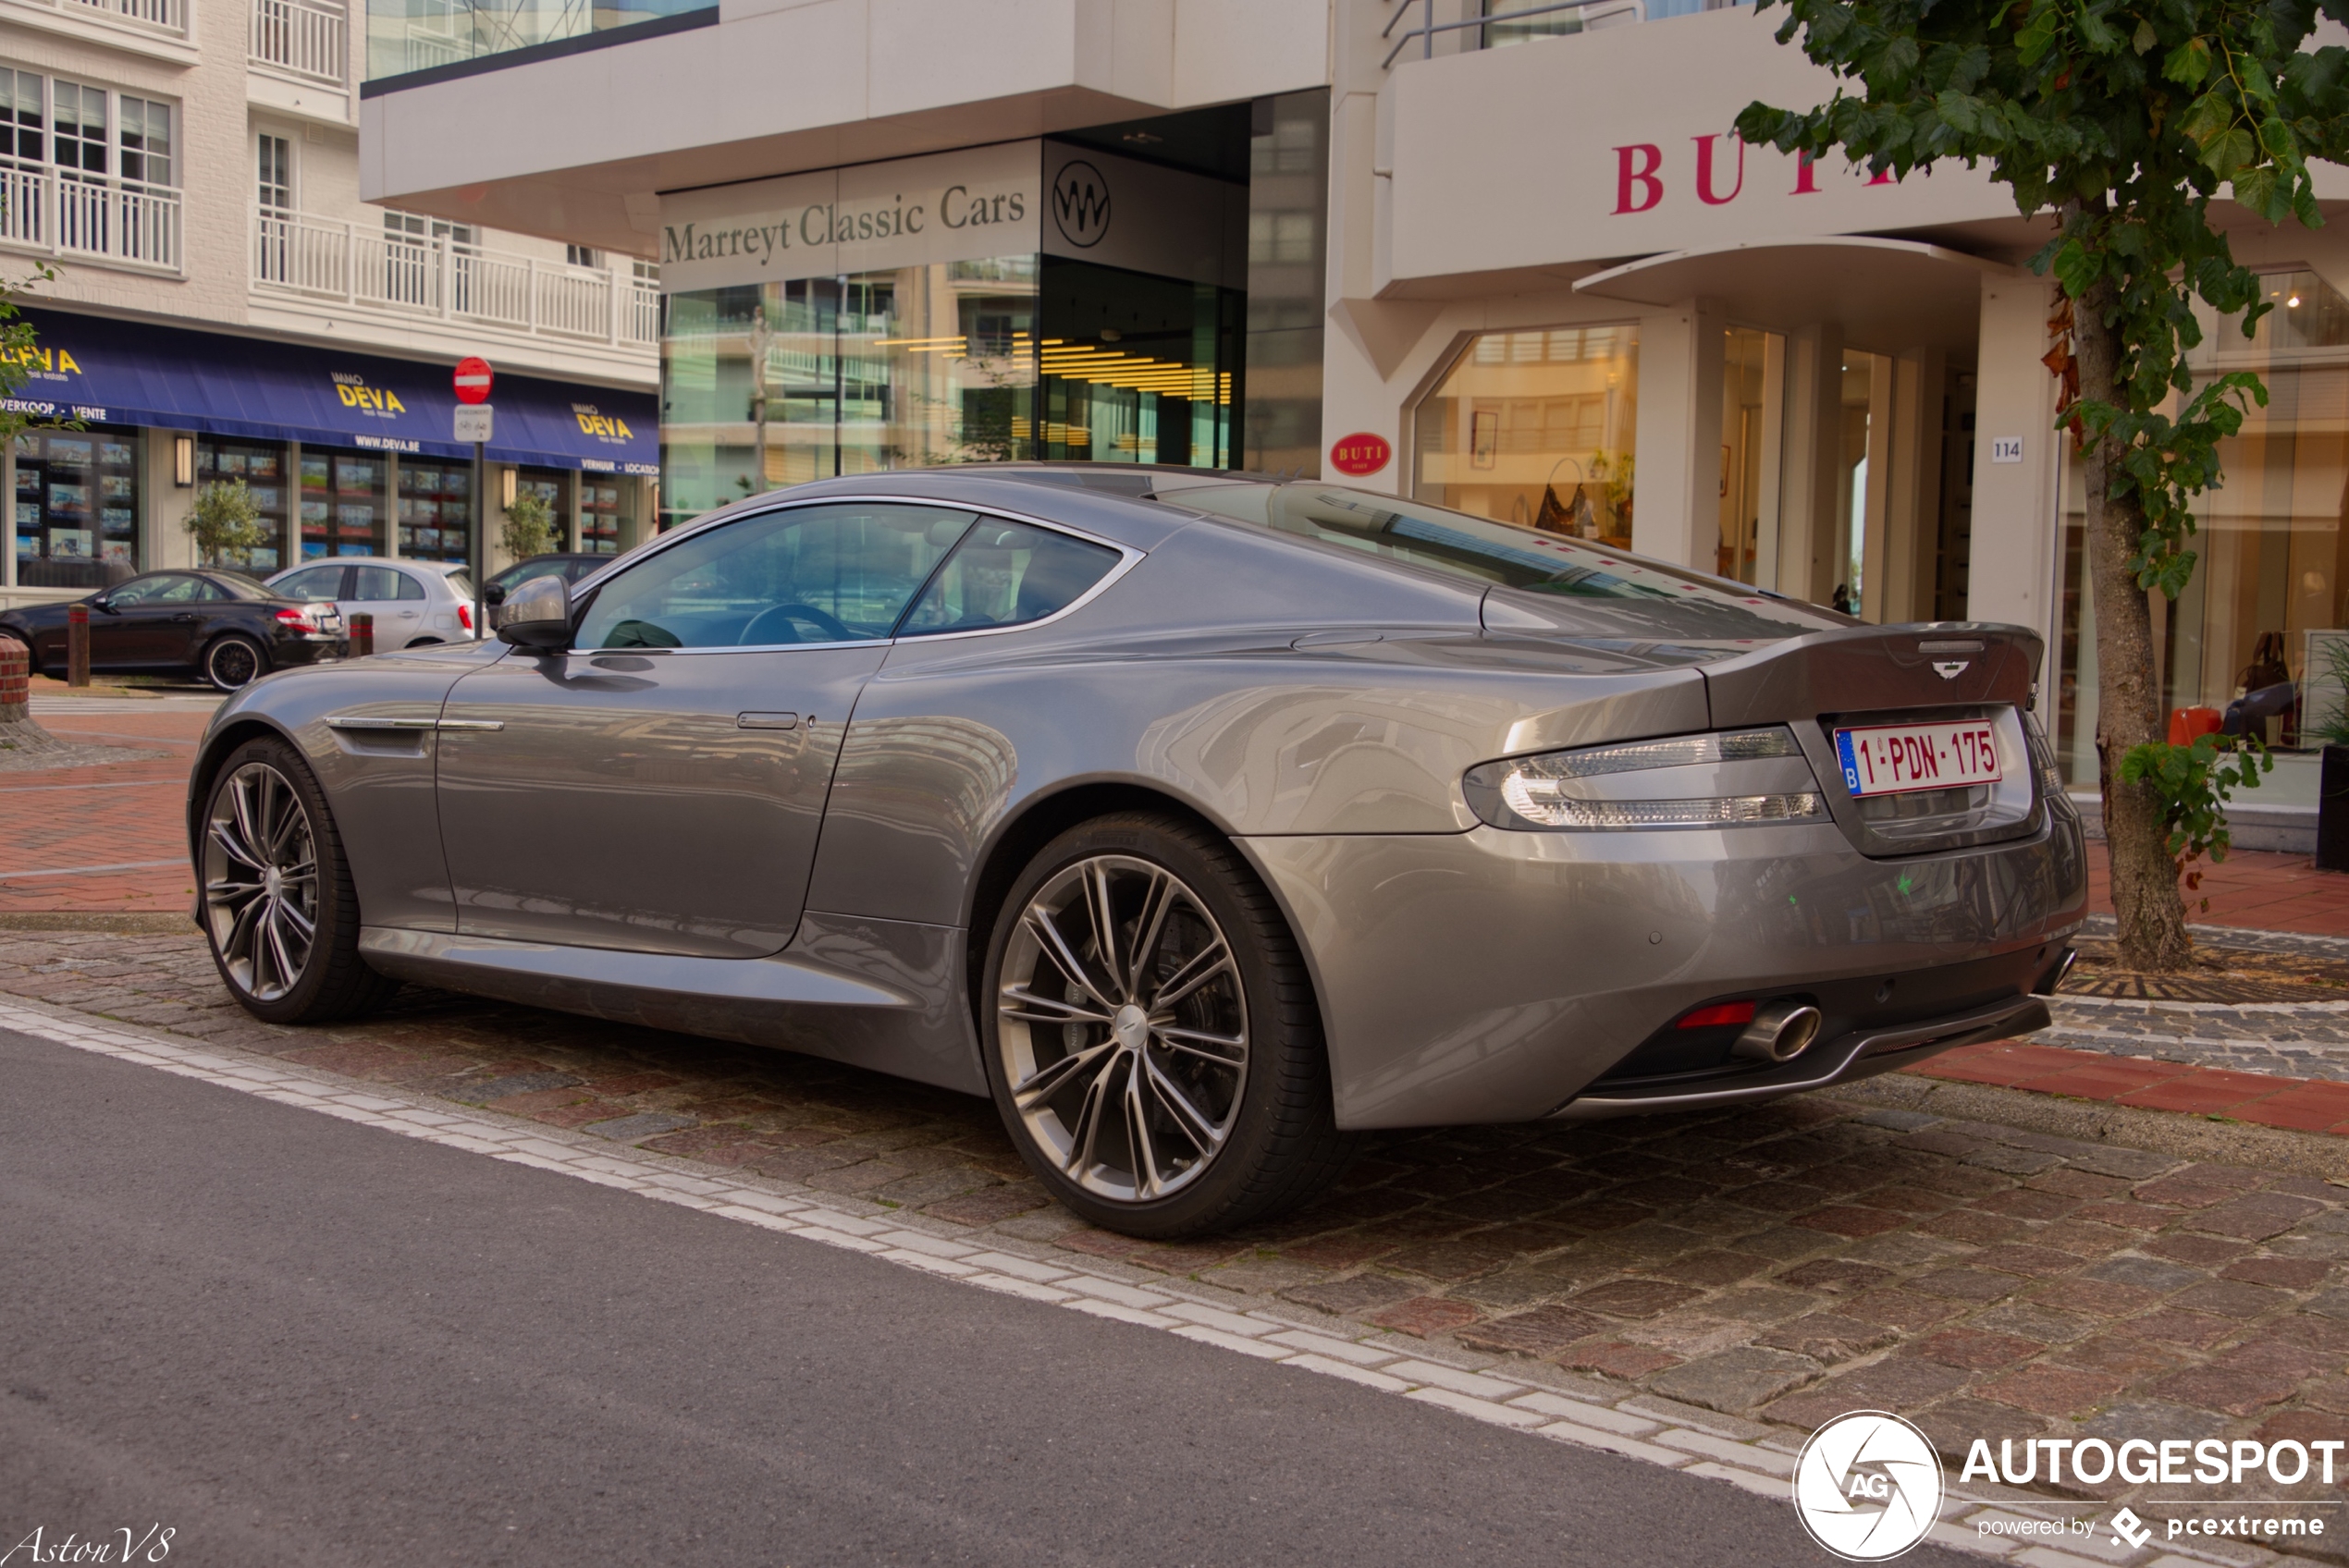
(1715, 1015)
(299, 620)
(1730, 778)
(464, 614)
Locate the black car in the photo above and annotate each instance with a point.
(219, 625)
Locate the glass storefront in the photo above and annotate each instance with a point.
(604, 517)
(78, 506)
(1752, 416)
(435, 509)
(2274, 547)
(551, 485)
(262, 465)
(1137, 369)
(343, 511)
(1537, 427)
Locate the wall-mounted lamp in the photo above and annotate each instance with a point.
(183, 461)
(508, 502)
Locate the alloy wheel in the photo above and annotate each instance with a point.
(1124, 1028)
(261, 881)
(232, 663)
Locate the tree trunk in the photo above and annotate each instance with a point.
(2145, 877)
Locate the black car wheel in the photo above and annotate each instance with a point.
(1152, 1041)
(233, 663)
(278, 904)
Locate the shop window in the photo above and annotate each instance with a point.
(1752, 416)
(1536, 427)
(551, 485)
(76, 506)
(343, 510)
(435, 510)
(2272, 542)
(604, 520)
(222, 460)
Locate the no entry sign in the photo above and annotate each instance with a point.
(471, 379)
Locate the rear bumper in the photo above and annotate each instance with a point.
(1497, 976)
(1862, 1053)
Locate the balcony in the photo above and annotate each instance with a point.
(158, 29)
(298, 256)
(406, 36)
(302, 38)
(88, 217)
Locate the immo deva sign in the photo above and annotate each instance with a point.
(1017, 197)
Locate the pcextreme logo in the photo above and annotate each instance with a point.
(1867, 1486)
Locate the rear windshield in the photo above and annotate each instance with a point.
(462, 583)
(1505, 555)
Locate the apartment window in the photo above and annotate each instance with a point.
(21, 116)
(582, 256)
(276, 174)
(81, 138)
(146, 141)
(418, 229)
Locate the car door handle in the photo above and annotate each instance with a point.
(766, 721)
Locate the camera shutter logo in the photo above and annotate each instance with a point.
(1080, 204)
(1868, 1486)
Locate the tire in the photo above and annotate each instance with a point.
(1228, 1081)
(234, 662)
(271, 861)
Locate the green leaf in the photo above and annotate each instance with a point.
(2255, 188)
(2038, 34)
(2228, 151)
(2206, 117)
(2189, 63)
(2146, 38)
(1960, 113)
(2076, 267)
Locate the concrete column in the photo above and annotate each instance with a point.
(163, 542)
(391, 506)
(2016, 542)
(1813, 455)
(1676, 512)
(1874, 569)
(1913, 511)
(1770, 528)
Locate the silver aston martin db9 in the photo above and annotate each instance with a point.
(1200, 820)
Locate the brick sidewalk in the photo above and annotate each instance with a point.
(2253, 890)
(1779, 1263)
(120, 815)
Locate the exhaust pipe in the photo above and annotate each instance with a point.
(1780, 1032)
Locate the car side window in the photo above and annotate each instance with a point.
(315, 582)
(1007, 574)
(825, 573)
(374, 583)
(166, 588)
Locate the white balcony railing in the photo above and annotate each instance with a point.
(160, 16)
(88, 216)
(305, 37)
(322, 258)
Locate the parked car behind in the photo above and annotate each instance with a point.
(221, 626)
(415, 604)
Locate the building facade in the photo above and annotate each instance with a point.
(1499, 254)
(221, 304)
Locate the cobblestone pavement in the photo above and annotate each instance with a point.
(1777, 1265)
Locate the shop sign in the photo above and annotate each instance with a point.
(1144, 217)
(1361, 454)
(910, 211)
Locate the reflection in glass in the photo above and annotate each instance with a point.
(2274, 553)
(1537, 428)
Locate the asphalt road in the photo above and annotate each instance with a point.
(290, 1340)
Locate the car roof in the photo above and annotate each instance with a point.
(444, 568)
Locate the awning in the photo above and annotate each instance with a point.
(103, 371)
(1887, 295)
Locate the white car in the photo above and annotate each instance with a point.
(414, 602)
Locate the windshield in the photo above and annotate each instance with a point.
(1507, 555)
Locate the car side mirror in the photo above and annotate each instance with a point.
(101, 603)
(536, 616)
(494, 594)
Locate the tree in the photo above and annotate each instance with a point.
(529, 528)
(225, 522)
(2124, 118)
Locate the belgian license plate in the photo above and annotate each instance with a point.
(1888, 759)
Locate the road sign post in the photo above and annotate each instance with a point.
(471, 382)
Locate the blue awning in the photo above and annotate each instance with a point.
(103, 371)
